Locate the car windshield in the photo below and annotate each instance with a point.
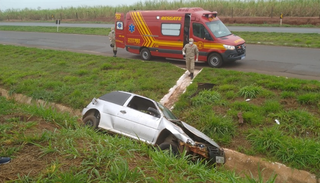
(218, 29)
(166, 112)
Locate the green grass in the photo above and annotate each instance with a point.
(65, 30)
(308, 40)
(73, 79)
(289, 101)
(273, 25)
(79, 154)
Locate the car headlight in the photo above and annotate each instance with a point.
(191, 142)
(228, 47)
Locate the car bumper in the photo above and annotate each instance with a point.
(233, 55)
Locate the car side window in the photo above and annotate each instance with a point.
(143, 105)
(201, 32)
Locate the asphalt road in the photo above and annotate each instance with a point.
(303, 63)
(232, 28)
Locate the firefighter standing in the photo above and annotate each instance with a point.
(112, 38)
(190, 51)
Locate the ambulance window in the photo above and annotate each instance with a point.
(200, 31)
(170, 29)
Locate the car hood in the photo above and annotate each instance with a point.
(199, 134)
(232, 40)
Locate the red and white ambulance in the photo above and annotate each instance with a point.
(163, 33)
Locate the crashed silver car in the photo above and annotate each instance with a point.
(146, 120)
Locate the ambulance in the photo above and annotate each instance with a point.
(163, 33)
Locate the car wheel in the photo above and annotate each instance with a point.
(171, 147)
(91, 121)
(145, 54)
(215, 60)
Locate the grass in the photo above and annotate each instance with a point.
(73, 79)
(68, 152)
(308, 40)
(67, 30)
(271, 98)
(273, 25)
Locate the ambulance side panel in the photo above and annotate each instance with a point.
(162, 35)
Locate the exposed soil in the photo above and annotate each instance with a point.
(28, 161)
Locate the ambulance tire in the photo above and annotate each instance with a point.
(215, 60)
(145, 54)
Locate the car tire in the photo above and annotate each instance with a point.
(215, 60)
(91, 121)
(145, 54)
(171, 147)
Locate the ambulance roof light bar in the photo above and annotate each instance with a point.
(210, 15)
(191, 9)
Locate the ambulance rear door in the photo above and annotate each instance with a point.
(120, 31)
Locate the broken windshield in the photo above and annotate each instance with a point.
(166, 112)
(218, 29)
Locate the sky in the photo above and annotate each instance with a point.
(55, 4)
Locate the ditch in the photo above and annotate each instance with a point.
(240, 163)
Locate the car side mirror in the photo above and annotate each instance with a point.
(154, 111)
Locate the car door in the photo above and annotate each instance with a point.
(113, 111)
(141, 123)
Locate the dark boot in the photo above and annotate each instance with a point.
(191, 75)
(114, 53)
(4, 160)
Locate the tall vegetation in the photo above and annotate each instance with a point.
(265, 8)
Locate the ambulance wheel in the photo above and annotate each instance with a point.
(215, 60)
(145, 54)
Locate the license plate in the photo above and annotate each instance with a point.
(243, 57)
(219, 159)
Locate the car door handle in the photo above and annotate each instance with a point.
(123, 111)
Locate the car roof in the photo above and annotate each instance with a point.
(119, 97)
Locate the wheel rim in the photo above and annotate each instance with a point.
(89, 123)
(145, 55)
(214, 61)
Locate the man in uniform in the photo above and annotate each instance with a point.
(190, 51)
(112, 38)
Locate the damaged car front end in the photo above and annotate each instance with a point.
(197, 144)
